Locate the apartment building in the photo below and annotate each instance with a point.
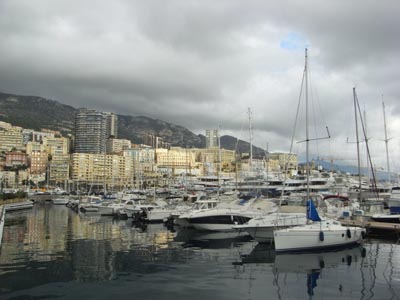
(10, 137)
(92, 129)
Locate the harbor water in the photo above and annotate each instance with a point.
(51, 252)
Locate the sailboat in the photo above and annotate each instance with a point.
(317, 233)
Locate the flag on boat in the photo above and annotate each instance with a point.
(312, 213)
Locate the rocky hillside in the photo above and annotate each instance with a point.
(37, 113)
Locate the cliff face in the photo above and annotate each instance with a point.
(36, 113)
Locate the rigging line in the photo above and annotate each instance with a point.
(367, 146)
(297, 111)
(293, 134)
(237, 139)
(313, 106)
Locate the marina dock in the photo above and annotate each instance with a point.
(371, 226)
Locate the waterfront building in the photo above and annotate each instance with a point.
(92, 129)
(58, 169)
(286, 161)
(210, 158)
(144, 167)
(212, 138)
(10, 137)
(177, 159)
(102, 170)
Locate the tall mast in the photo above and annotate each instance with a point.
(357, 143)
(386, 140)
(251, 141)
(366, 152)
(219, 160)
(307, 129)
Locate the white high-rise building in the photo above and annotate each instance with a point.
(211, 138)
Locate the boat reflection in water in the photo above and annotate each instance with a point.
(210, 240)
(328, 274)
(312, 264)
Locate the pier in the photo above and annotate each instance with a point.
(374, 227)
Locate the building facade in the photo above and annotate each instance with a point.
(212, 139)
(92, 129)
(10, 137)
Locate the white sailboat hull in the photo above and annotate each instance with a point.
(308, 237)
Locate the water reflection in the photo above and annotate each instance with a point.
(52, 251)
(313, 264)
(363, 272)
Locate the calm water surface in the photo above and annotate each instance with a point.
(50, 252)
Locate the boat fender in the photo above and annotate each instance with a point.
(321, 263)
(348, 233)
(363, 234)
(321, 236)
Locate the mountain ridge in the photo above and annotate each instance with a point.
(34, 112)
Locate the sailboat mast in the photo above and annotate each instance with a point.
(357, 143)
(307, 129)
(251, 142)
(386, 141)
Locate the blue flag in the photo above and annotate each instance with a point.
(312, 213)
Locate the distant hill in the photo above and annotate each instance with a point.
(36, 113)
(326, 165)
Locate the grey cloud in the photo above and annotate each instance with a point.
(203, 63)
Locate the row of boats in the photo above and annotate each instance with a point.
(289, 227)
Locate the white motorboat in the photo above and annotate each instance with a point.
(90, 204)
(181, 213)
(224, 216)
(386, 218)
(261, 228)
(19, 205)
(60, 200)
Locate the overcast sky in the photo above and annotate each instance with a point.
(201, 64)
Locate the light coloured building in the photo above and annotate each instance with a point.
(286, 161)
(10, 138)
(100, 169)
(30, 135)
(7, 179)
(56, 145)
(34, 147)
(58, 169)
(118, 145)
(212, 138)
(5, 125)
(175, 157)
(210, 158)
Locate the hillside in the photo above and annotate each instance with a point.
(36, 113)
